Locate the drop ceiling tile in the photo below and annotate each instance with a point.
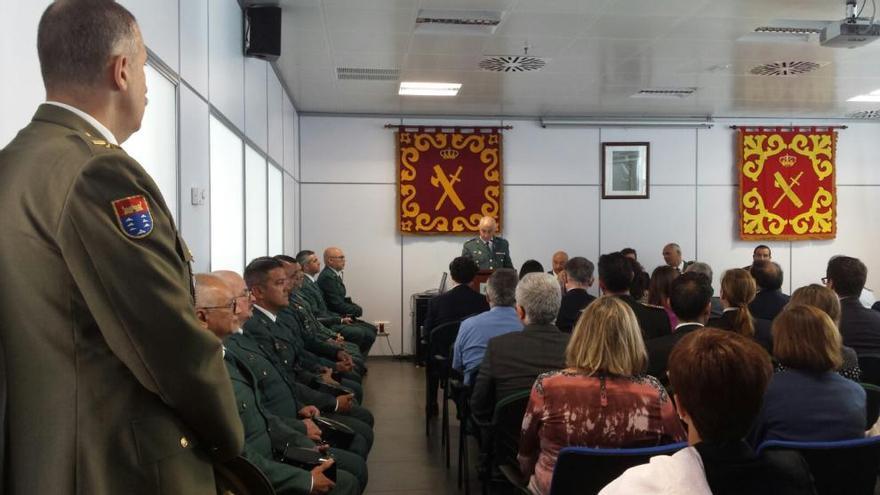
(650, 8)
(299, 40)
(468, 4)
(370, 20)
(578, 6)
(432, 43)
(604, 48)
(630, 27)
(716, 28)
(379, 60)
(538, 46)
(543, 24)
(359, 41)
(295, 18)
(372, 4)
(442, 61)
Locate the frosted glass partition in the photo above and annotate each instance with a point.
(154, 146)
(256, 240)
(227, 199)
(276, 211)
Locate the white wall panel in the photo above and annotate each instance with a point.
(226, 63)
(347, 150)
(534, 155)
(291, 143)
(717, 156)
(537, 226)
(290, 217)
(857, 155)
(648, 224)
(195, 220)
(368, 238)
(255, 110)
(673, 152)
(275, 97)
(194, 44)
(857, 221)
(718, 242)
(158, 20)
(19, 95)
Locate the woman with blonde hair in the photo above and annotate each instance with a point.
(807, 401)
(601, 400)
(826, 299)
(738, 289)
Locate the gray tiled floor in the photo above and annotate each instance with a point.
(403, 459)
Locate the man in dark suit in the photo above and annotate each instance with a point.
(672, 257)
(560, 258)
(859, 326)
(459, 302)
(770, 299)
(513, 360)
(706, 270)
(690, 297)
(615, 275)
(578, 278)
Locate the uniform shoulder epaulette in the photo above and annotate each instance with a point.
(96, 143)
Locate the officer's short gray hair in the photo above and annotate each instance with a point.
(579, 269)
(700, 267)
(539, 295)
(501, 287)
(75, 40)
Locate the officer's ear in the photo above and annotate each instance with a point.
(202, 316)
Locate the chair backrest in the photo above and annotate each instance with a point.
(586, 471)
(870, 366)
(845, 466)
(872, 402)
(507, 426)
(442, 337)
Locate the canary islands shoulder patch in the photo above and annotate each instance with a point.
(133, 216)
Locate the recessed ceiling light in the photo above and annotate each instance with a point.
(428, 89)
(872, 97)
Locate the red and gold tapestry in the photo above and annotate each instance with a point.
(447, 181)
(786, 184)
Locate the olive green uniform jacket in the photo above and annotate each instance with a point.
(113, 387)
(334, 294)
(499, 257)
(361, 333)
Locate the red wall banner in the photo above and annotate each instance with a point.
(447, 181)
(786, 184)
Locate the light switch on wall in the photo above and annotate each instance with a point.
(199, 195)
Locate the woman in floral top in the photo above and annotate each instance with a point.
(601, 400)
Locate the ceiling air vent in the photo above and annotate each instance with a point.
(864, 115)
(515, 63)
(439, 21)
(787, 68)
(363, 74)
(664, 93)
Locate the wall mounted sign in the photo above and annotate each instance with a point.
(786, 183)
(448, 178)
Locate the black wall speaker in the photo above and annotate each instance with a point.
(262, 32)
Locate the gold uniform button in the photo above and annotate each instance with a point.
(184, 442)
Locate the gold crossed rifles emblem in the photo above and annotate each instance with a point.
(448, 184)
(787, 189)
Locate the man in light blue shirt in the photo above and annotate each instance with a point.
(475, 332)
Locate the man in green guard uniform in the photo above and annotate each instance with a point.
(488, 251)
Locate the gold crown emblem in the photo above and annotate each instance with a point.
(787, 160)
(449, 154)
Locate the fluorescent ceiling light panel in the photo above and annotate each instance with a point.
(872, 97)
(428, 89)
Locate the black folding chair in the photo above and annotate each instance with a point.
(845, 466)
(586, 471)
(501, 442)
(437, 369)
(872, 403)
(870, 366)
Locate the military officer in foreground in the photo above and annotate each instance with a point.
(488, 251)
(112, 386)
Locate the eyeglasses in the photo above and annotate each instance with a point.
(233, 306)
(246, 294)
(337, 257)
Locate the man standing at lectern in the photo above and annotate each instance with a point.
(488, 251)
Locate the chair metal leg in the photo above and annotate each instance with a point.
(464, 466)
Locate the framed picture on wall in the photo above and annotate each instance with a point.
(625, 170)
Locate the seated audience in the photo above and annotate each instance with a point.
(672, 257)
(719, 380)
(615, 277)
(738, 289)
(334, 292)
(859, 326)
(808, 401)
(630, 253)
(475, 332)
(457, 303)
(578, 278)
(770, 299)
(760, 253)
(690, 298)
(825, 299)
(600, 400)
(530, 266)
(706, 270)
(560, 258)
(658, 291)
(219, 311)
(515, 359)
(638, 288)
